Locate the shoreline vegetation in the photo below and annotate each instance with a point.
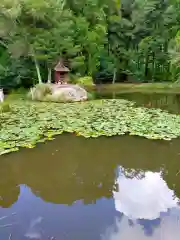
(26, 123)
(164, 88)
(173, 88)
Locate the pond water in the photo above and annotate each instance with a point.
(92, 189)
(168, 102)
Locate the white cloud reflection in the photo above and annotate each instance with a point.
(33, 231)
(149, 209)
(143, 198)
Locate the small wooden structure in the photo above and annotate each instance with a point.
(61, 73)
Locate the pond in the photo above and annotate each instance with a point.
(91, 189)
(169, 102)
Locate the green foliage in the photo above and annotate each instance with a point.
(48, 30)
(40, 91)
(85, 81)
(140, 39)
(174, 50)
(33, 122)
(119, 40)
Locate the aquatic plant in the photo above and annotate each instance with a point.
(32, 122)
(5, 107)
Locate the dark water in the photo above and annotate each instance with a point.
(92, 189)
(168, 102)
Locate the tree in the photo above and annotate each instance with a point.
(131, 39)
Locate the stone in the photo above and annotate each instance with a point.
(58, 93)
(69, 93)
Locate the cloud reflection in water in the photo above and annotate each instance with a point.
(143, 198)
(150, 209)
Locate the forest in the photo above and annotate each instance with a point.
(112, 41)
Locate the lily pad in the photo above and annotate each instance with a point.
(33, 122)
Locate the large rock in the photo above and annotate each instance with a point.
(58, 93)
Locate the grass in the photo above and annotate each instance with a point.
(138, 87)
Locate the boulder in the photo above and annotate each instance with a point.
(58, 93)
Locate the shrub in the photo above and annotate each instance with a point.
(40, 91)
(85, 81)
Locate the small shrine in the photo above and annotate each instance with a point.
(61, 73)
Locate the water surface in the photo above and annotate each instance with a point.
(168, 102)
(91, 189)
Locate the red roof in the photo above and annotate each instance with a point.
(60, 67)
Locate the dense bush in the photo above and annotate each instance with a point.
(136, 40)
(85, 81)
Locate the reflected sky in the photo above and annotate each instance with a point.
(166, 228)
(129, 214)
(51, 192)
(143, 198)
(37, 219)
(150, 209)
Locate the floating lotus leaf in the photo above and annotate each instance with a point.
(31, 122)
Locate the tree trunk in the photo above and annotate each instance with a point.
(49, 75)
(1, 95)
(146, 67)
(37, 70)
(153, 66)
(114, 76)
